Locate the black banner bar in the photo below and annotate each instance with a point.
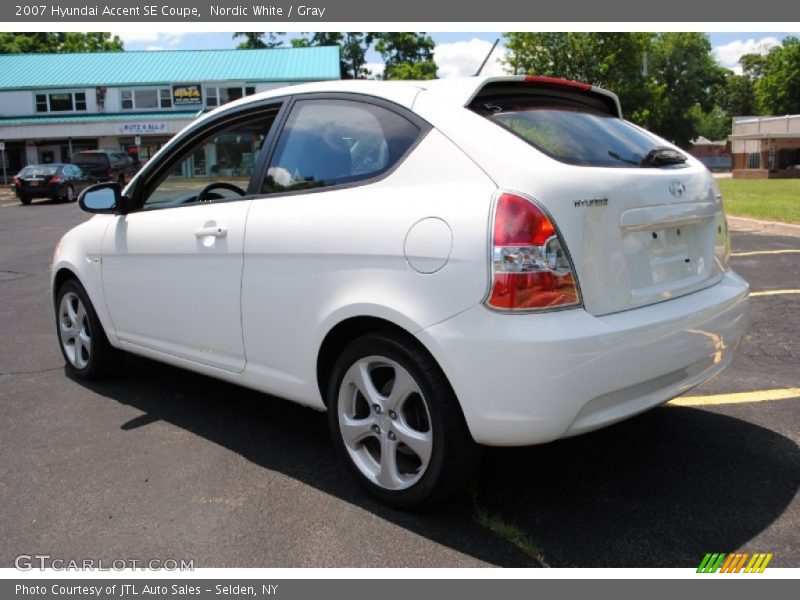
(731, 588)
(355, 11)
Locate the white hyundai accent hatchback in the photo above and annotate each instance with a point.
(440, 265)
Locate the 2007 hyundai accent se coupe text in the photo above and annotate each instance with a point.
(440, 265)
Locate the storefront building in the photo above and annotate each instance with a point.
(53, 105)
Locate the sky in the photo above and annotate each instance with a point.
(456, 54)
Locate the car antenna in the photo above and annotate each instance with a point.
(485, 60)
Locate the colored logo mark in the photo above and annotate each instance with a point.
(734, 563)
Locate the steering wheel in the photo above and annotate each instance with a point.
(222, 185)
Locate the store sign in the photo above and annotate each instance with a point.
(142, 128)
(184, 95)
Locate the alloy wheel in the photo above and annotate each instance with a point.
(385, 422)
(73, 328)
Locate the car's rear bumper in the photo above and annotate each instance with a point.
(528, 379)
(45, 191)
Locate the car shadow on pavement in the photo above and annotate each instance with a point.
(659, 490)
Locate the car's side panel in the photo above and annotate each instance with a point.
(315, 259)
(79, 253)
(173, 290)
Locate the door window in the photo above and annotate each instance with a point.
(216, 166)
(332, 142)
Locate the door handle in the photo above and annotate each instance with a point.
(215, 231)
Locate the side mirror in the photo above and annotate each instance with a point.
(102, 198)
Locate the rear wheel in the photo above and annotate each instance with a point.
(82, 339)
(397, 424)
(70, 196)
(25, 199)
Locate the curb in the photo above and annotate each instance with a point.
(768, 227)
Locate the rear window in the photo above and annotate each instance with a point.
(39, 171)
(90, 159)
(569, 131)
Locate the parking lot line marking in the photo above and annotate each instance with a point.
(760, 252)
(12, 204)
(737, 398)
(774, 292)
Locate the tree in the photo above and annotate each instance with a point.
(683, 74)
(738, 98)
(46, 42)
(424, 69)
(413, 50)
(714, 124)
(255, 40)
(776, 78)
(353, 47)
(615, 61)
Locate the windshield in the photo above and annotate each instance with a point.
(39, 171)
(92, 160)
(571, 132)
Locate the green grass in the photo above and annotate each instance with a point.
(768, 199)
(511, 533)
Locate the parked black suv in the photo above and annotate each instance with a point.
(105, 165)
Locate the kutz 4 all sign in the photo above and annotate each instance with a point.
(186, 95)
(734, 563)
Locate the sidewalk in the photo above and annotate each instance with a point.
(768, 227)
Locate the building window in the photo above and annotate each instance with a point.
(217, 95)
(754, 160)
(60, 102)
(145, 98)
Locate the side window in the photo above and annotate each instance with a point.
(216, 166)
(331, 142)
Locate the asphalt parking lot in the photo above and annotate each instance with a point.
(162, 463)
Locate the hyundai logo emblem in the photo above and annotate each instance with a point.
(677, 188)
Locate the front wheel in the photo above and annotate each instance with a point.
(397, 424)
(83, 341)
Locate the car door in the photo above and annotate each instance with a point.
(172, 266)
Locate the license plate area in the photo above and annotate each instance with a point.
(664, 259)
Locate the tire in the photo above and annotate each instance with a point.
(25, 199)
(81, 337)
(375, 437)
(70, 195)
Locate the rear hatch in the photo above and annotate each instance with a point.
(95, 164)
(642, 221)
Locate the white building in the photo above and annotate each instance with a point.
(52, 105)
(766, 147)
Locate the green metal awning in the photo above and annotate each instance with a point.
(158, 67)
(96, 118)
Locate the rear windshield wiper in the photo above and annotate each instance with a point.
(616, 156)
(663, 155)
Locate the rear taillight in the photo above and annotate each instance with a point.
(16, 181)
(530, 266)
(55, 179)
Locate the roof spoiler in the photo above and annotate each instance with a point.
(609, 99)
